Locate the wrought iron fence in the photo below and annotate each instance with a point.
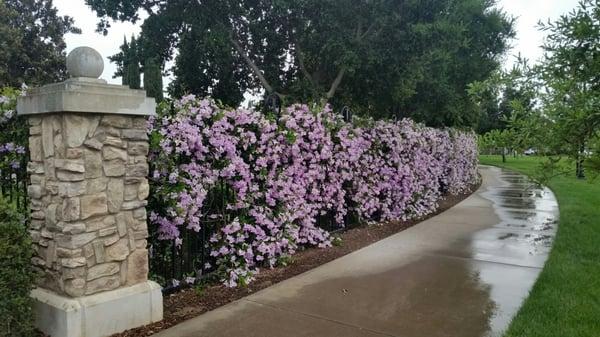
(13, 180)
(13, 150)
(172, 263)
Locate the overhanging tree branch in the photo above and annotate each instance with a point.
(261, 77)
(338, 79)
(302, 66)
(336, 83)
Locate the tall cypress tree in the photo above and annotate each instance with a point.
(133, 65)
(153, 79)
(121, 59)
(125, 62)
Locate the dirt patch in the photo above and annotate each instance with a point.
(190, 303)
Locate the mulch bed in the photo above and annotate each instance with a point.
(188, 303)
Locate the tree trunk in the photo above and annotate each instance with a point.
(336, 83)
(580, 158)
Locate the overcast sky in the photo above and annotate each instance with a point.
(527, 12)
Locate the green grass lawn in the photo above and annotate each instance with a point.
(565, 301)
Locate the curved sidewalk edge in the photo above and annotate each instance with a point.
(463, 273)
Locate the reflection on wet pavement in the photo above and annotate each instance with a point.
(430, 296)
(528, 222)
(463, 273)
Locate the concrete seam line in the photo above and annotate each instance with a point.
(433, 254)
(320, 318)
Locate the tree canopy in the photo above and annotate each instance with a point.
(32, 46)
(504, 95)
(384, 58)
(153, 79)
(571, 74)
(560, 113)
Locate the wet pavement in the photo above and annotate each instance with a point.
(463, 273)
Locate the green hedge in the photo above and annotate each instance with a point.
(17, 276)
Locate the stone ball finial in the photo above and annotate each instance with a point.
(85, 62)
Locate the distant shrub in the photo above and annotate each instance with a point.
(16, 274)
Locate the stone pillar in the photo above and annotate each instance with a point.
(88, 192)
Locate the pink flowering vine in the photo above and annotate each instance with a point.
(259, 185)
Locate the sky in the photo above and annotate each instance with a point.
(527, 12)
(86, 20)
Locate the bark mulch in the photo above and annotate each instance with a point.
(190, 303)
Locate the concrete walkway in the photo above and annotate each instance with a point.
(462, 273)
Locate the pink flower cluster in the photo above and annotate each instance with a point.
(265, 181)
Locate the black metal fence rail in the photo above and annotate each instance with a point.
(13, 184)
(172, 264)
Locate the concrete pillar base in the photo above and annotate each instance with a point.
(97, 315)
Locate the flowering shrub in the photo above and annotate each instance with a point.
(13, 148)
(261, 184)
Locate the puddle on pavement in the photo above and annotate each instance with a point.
(507, 235)
(516, 193)
(531, 203)
(516, 179)
(546, 226)
(518, 203)
(516, 215)
(540, 239)
(512, 192)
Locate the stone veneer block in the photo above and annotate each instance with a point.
(98, 315)
(88, 141)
